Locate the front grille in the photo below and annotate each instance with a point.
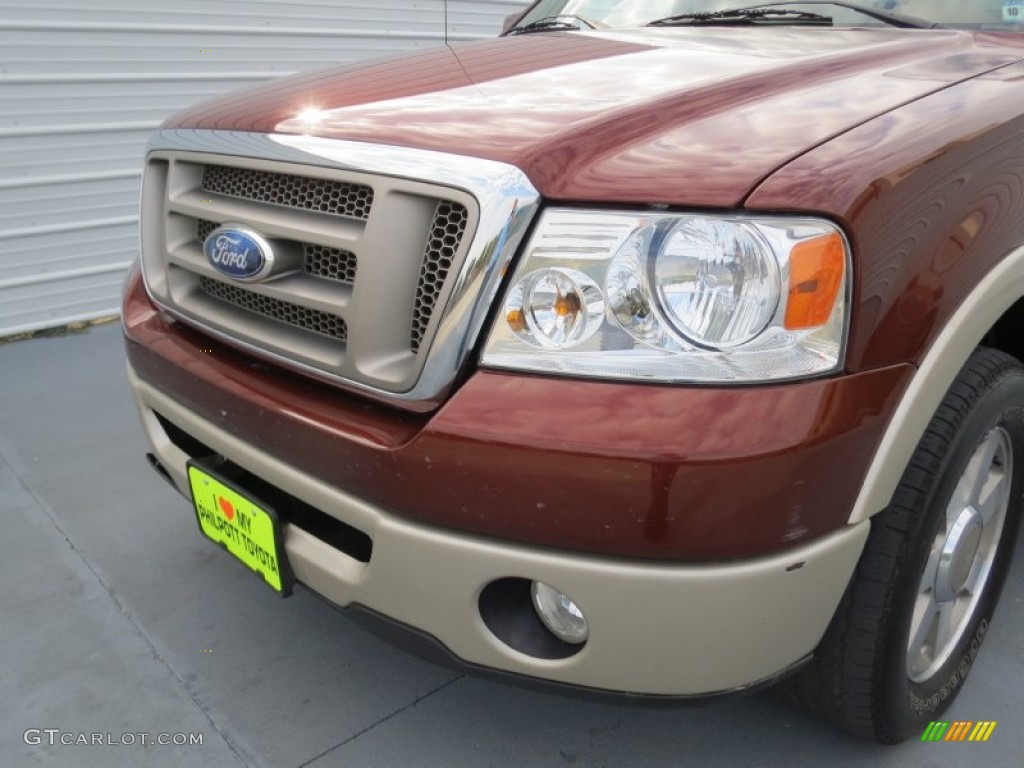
(312, 320)
(364, 277)
(446, 233)
(318, 260)
(323, 195)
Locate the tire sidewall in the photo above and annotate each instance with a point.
(909, 705)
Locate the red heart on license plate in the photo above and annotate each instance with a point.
(226, 508)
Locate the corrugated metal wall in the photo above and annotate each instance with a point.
(82, 82)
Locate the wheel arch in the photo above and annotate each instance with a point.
(993, 314)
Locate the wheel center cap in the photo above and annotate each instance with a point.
(958, 555)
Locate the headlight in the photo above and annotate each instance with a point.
(675, 297)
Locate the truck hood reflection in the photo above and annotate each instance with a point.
(674, 116)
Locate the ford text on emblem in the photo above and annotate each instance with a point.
(239, 253)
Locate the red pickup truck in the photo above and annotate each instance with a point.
(667, 349)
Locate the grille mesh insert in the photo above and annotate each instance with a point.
(204, 228)
(312, 320)
(329, 263)
(323, 195)
(446, 233)
(320, 261)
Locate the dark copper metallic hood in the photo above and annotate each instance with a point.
(676, 116)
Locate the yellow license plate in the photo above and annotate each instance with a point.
(248, 529)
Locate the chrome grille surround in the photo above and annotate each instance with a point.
(406, 319)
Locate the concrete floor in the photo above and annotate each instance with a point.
(118, 618)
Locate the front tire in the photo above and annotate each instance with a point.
(913, 619)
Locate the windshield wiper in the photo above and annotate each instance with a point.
(744, 16)
(560, 23)
(893, 19)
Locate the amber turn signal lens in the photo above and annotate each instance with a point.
(816, 269)
(568, 305)
(516, 319)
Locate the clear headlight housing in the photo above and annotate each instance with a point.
(675, 297)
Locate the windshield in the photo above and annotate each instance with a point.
(985, 14)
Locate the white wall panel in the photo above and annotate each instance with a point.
(83, 82)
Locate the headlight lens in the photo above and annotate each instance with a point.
(675, 297)
(718, 281)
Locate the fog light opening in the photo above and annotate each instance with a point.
(560, 614)
(508, 611)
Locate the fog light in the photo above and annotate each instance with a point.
(559, 614)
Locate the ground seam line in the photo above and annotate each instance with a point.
(383, 720)
(44, 507)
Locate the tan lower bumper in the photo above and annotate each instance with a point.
(654, 628)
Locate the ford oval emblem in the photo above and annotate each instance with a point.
(239, 253)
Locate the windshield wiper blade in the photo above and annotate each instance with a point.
(893, 19)
(742, 16)
(560, 23)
